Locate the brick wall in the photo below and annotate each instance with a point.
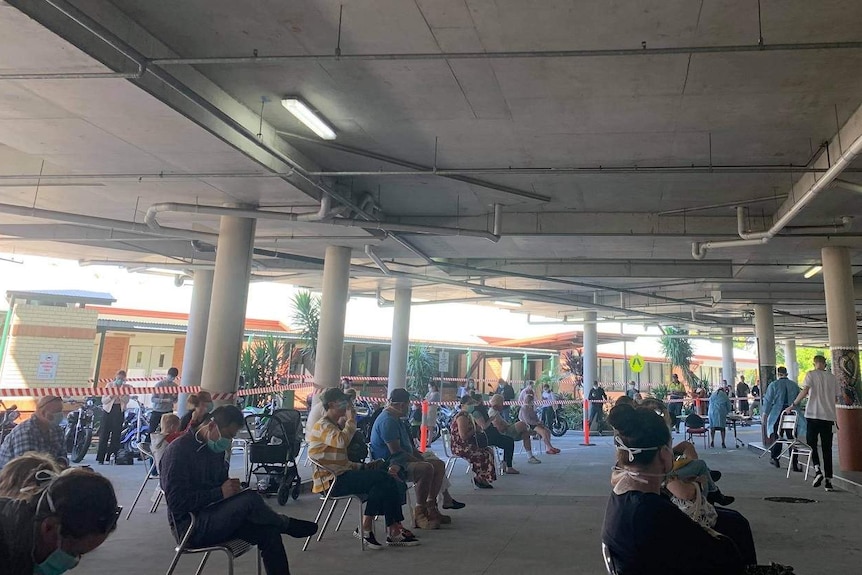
(179, 353)
(67, 332)
(115, 355)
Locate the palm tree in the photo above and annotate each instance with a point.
(420, 368)
(679, 351)
(261, 362)
(306, 317)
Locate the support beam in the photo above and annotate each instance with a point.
(790, 359)
(844, 347)
(728, 366)
(400, 345)
(196, 334)
(764, 326)
(226, 324)
(333, 308)
(590, 354)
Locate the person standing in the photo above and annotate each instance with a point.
(114, 406)
(778, 396)
(597, 397)
(823, 390)
(631, 390)
(508, 394)
(719, 408)
(163, 402)
(755, 395)
(742, 391)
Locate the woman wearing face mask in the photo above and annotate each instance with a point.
(200, 404)
(471, 443)
(638, 518)
(49, 533)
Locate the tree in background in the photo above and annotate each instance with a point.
(262, 364)
(421, 367)
(306, 318)
(679, 352)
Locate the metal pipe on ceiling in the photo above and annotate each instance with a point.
(852, 186)
(44, 179)
(841, 164)
(369, 251)
(508, 54)
(575, 170)
(846, 224)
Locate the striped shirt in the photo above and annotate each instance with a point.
(327, 444)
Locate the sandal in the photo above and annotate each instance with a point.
(552, 451)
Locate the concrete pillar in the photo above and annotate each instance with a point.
(333, 308)
(226, 324)
(728, 366)
(790, 359)
(844, 347)
(196, 334)
(764, 329)
(400, 338)
(591, 360)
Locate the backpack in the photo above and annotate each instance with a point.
(123, 457)
(357, 449)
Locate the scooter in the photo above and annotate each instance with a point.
(79, 428)
(8, 415)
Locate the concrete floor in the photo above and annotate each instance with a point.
(548, 520)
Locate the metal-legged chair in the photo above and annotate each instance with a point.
(446, 435)
(329, 498)
(147, 455)
(609, 560)
(232, 549)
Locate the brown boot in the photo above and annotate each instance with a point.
(421, 519)
(435, 515)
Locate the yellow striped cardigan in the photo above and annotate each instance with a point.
(327, 444)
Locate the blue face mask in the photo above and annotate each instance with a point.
(470, 408)
(57, 562)
(220, 445)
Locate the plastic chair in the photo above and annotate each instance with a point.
(232, 549)
(147, 455)
(446, 435)
(329, 497)
(609, 560)
(695, 425)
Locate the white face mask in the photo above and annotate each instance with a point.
(638, 476)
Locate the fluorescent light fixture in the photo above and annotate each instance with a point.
(505, 303)
(308, 117)
(812, 272)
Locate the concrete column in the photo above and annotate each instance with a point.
(844, 345)
(196, 334)
(728, 366)
(591, 360)
(226, 324)
(790, 359)
(333, 308)
(764, 328)
(400, 338)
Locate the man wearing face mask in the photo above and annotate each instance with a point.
(194, 477)
(50, 532)
(40, 433)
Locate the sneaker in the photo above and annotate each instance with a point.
(715, 475)
(534, 459)
(402, 540)
(774, 462)
(371, 541)
(828, 485)
(818, 479)
(454, 505)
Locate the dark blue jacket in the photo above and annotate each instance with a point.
(191, 475)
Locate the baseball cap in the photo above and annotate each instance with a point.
(333, 394)
(783, 370)
(43, 401)
(399, 395)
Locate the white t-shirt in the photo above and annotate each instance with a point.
(822, 395)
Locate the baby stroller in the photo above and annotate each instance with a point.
(272, 456)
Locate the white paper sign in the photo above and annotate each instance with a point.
(47, 368)
(443, 362)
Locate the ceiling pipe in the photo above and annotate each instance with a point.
(321, 217)
(498, 220)
(845, 225)
(45, 179)
(852, 186)
(503, 55)
(699, 249)
(369, 251)
(575, 170)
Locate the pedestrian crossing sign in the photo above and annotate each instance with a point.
(636, 363)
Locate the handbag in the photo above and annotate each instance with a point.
(479, 435)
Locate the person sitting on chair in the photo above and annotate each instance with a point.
(18, 478)
(482, 417)
(638, 518)
(40, 433)
(169, 430)
(200, 404)
(194, 477)
(528, 415)
(519, 431)
(328, 443)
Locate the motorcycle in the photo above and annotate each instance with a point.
(79, 428)
(445, 414)
(8, 415)
(136, 428)
(559, 423)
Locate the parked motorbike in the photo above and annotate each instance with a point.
(559, 423)
(136, 428)
(445, 414)
(79, 427)
(8, 415)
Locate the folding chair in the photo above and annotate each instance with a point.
(793, 445)
(331, 498)
(232, 549)
(446, 435)
(147, 455)
(609, 560)
(695, 425)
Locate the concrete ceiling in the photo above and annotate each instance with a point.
(612, 135)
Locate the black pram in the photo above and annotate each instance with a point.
(272, 456)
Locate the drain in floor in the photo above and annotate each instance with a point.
(789, 500)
